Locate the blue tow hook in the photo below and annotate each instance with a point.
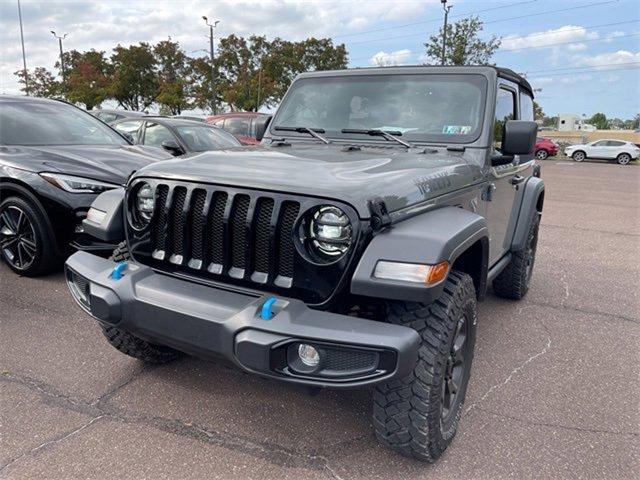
(120, 267)
(267, 313)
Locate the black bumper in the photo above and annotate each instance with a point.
(209, 322)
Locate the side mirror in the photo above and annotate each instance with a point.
(519, 137)
(173, 147)
(262, 122)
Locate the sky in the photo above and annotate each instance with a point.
(582, 57)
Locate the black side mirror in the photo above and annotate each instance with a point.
(519, 137)
(262, 122)
(173, 147)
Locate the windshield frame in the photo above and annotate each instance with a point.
(118, 139)
(418, 139)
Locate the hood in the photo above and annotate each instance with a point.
(400, 178)
(111, 164)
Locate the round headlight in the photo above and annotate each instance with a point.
(330, 231)
(145, 202)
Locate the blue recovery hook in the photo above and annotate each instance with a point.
(120, 267)
(267, 313)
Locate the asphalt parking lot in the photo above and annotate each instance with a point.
(554, 392)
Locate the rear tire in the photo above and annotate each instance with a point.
(27, 244)
(514, 281)
(129, 344)
(623, 159)
(418, 415)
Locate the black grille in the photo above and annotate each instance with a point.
(349, 360)
(247, 236)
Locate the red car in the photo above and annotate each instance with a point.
(241, 124)
(545, 147)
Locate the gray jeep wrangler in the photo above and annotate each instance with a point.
(349, 249)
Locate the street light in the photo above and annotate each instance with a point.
(444, 31)
(213, 72)
(60, 38)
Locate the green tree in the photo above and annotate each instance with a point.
(135, 79)
(88, 78)
(41, 83)
(172, 72)
(599, 120)
(464, 46)
(538, 114)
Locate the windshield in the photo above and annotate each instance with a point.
(422, 107)
(40, 123)
(200, 138)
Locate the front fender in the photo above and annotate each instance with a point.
(430, 238)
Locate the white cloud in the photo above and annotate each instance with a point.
(604, 61)
(384, 59)
(567, 33)
(610, 37)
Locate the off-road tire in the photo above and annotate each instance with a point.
(130, 344)
(514, 281)
(46, 258)
(623, 159)
(408, 413)
(579, 156)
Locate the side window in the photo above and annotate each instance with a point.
(615, 143)
(155, 134)
(601, 143)
(132, 128)
(526, 107)
(505, 110)
(237, 126)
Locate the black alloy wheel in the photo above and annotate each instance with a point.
(455, 371)
(17, 238)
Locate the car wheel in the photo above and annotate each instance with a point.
(418, 415)
(578, 156)
(542, 154)
(623, 159)
(27, 244)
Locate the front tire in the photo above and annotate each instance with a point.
(418, 415)
(623, 159)
(27, 244)
(579, 156)
(128, 343)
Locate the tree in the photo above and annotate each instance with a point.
(135, 80)
(172, 71)
(538, 114)
(550, 121)
(88, 78)
(599, 120)
(464, 46)
(41, 83)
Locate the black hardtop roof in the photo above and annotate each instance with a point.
(499, 71)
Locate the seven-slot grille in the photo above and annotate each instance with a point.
(244, 235)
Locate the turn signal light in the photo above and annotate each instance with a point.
(412, 272)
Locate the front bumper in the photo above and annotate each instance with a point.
(207, 322)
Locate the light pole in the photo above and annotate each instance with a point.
(60, 38)
(24, 56)
(444, 30)
(213, 70)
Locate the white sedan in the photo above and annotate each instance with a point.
(618, 150)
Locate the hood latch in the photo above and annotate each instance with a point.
(380, 218)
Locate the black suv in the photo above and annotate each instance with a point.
(349, 249)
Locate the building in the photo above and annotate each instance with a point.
(570, 122)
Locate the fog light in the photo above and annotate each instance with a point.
(308, 355)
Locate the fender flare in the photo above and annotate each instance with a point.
(439, 235)
(532, 201)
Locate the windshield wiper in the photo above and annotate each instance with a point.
(314, 132)
(389, 135)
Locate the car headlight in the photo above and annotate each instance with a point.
(145, 202)
(70, 183)
(330, 231)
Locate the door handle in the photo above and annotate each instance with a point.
(517, 179)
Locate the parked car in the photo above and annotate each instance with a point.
(54, 160)
(545, 147)
(619, 150)
(349, 249)
(195, 118)
(176, 135)
(241, 124)
(110, 116)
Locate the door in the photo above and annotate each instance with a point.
(597, 149)
(613, 149)
(501, 191)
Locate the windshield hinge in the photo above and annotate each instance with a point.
(380, 218)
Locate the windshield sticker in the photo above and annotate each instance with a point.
(456, 129)
(392, 128)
